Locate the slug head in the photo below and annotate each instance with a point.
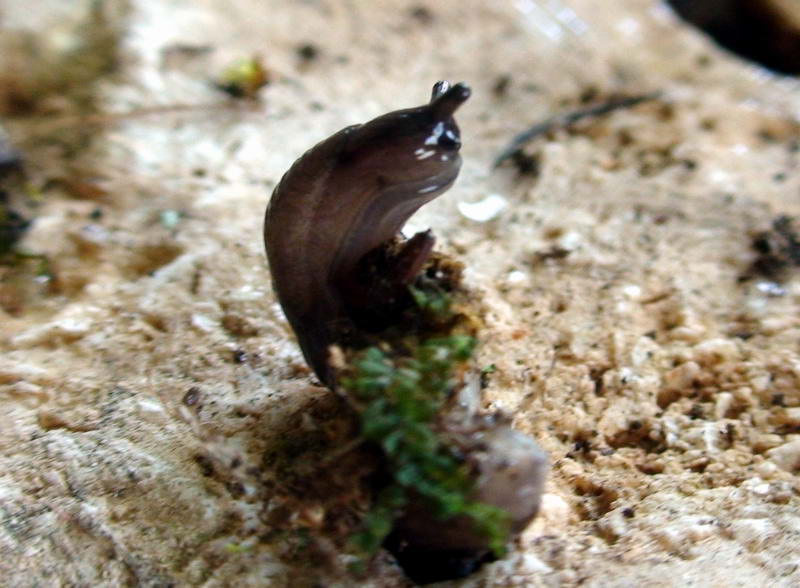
(416, 147)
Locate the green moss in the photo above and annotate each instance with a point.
(399, 398)
(380, 519)
(432, 301)
(236, 548)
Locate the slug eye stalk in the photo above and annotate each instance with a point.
(446, 99)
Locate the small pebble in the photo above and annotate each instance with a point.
(483, 210)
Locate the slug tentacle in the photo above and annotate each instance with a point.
(347, 196)
(445, 102)
(439, 88)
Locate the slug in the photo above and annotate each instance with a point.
(345, 197)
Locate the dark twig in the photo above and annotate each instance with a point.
(566, 120)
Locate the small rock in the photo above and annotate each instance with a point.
(714, 351)
(483, 210)
(787, 456)
(753, 532)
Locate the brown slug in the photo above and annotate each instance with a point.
(345, 197)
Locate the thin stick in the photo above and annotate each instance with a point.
(566, 120)
(101, 119)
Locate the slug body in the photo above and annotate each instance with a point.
(347, 196)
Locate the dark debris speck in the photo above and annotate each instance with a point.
(308, 52)
(236, 489)
(205, 464)
(422, 14)
(778, 249)
(12, 225)
(192, 396)
(501, 85)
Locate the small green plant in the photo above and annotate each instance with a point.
(399, 399)
(433, 302)
(244, 78)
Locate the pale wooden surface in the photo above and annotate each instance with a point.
(99, 484)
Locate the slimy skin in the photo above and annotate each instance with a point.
(348, 195)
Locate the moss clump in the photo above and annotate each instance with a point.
(399, 401)
(434, 303)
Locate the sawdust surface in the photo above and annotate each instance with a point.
(140, 395)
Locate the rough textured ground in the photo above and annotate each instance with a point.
(142, 384)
